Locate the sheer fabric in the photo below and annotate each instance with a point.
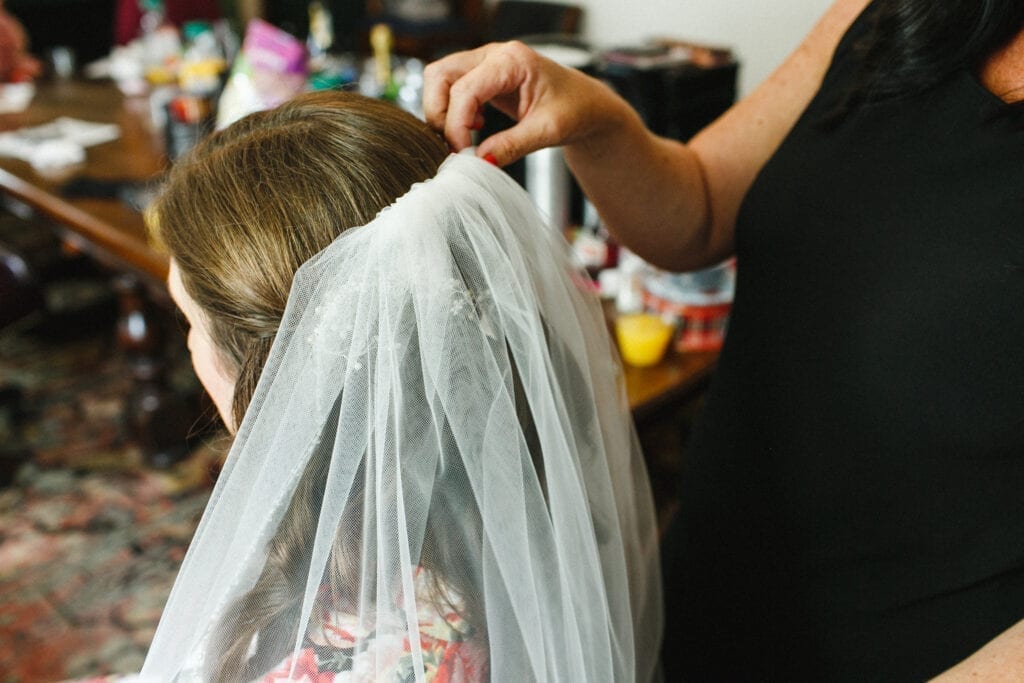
(439, 438)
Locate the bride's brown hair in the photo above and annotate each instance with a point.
(252, 203)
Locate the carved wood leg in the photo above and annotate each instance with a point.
(160, 418)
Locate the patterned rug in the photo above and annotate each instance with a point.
(90, 537)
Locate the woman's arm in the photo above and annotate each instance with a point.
(673, 204)
(1000, 660)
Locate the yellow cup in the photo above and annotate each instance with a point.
(642, 338)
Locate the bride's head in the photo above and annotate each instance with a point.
(253, 202)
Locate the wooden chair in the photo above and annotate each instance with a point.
(21, 295)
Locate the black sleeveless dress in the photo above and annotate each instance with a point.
(852, 502)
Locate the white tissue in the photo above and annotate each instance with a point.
(61, 142)
(15, 97)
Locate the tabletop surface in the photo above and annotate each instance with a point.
(136, 156)
(680, 375)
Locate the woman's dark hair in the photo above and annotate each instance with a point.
(912, 45)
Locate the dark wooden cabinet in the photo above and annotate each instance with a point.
(86, 26)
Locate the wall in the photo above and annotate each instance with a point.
(761, 32)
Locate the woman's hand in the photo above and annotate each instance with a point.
(650, 192)
(553, 105)
(675, 205)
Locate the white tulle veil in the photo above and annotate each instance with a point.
(441, 430)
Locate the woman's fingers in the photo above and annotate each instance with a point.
(533, 132)
(551, 104)
(438, 79)
(507, 75)
(457, 87)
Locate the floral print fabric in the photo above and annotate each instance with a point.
(338, 651)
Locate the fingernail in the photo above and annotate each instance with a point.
(491, 159)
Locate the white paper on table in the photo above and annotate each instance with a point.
(59, 143)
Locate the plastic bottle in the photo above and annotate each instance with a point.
(202, 64)
(321, 35)
(161, 44)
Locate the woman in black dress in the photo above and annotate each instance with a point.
(850, 504)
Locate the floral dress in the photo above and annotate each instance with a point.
(338, 651)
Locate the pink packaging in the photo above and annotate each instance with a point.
(268, 48)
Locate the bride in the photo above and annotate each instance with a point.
(434, 474)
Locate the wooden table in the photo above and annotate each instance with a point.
(115, 232)
(108, 228)
(678, 377)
